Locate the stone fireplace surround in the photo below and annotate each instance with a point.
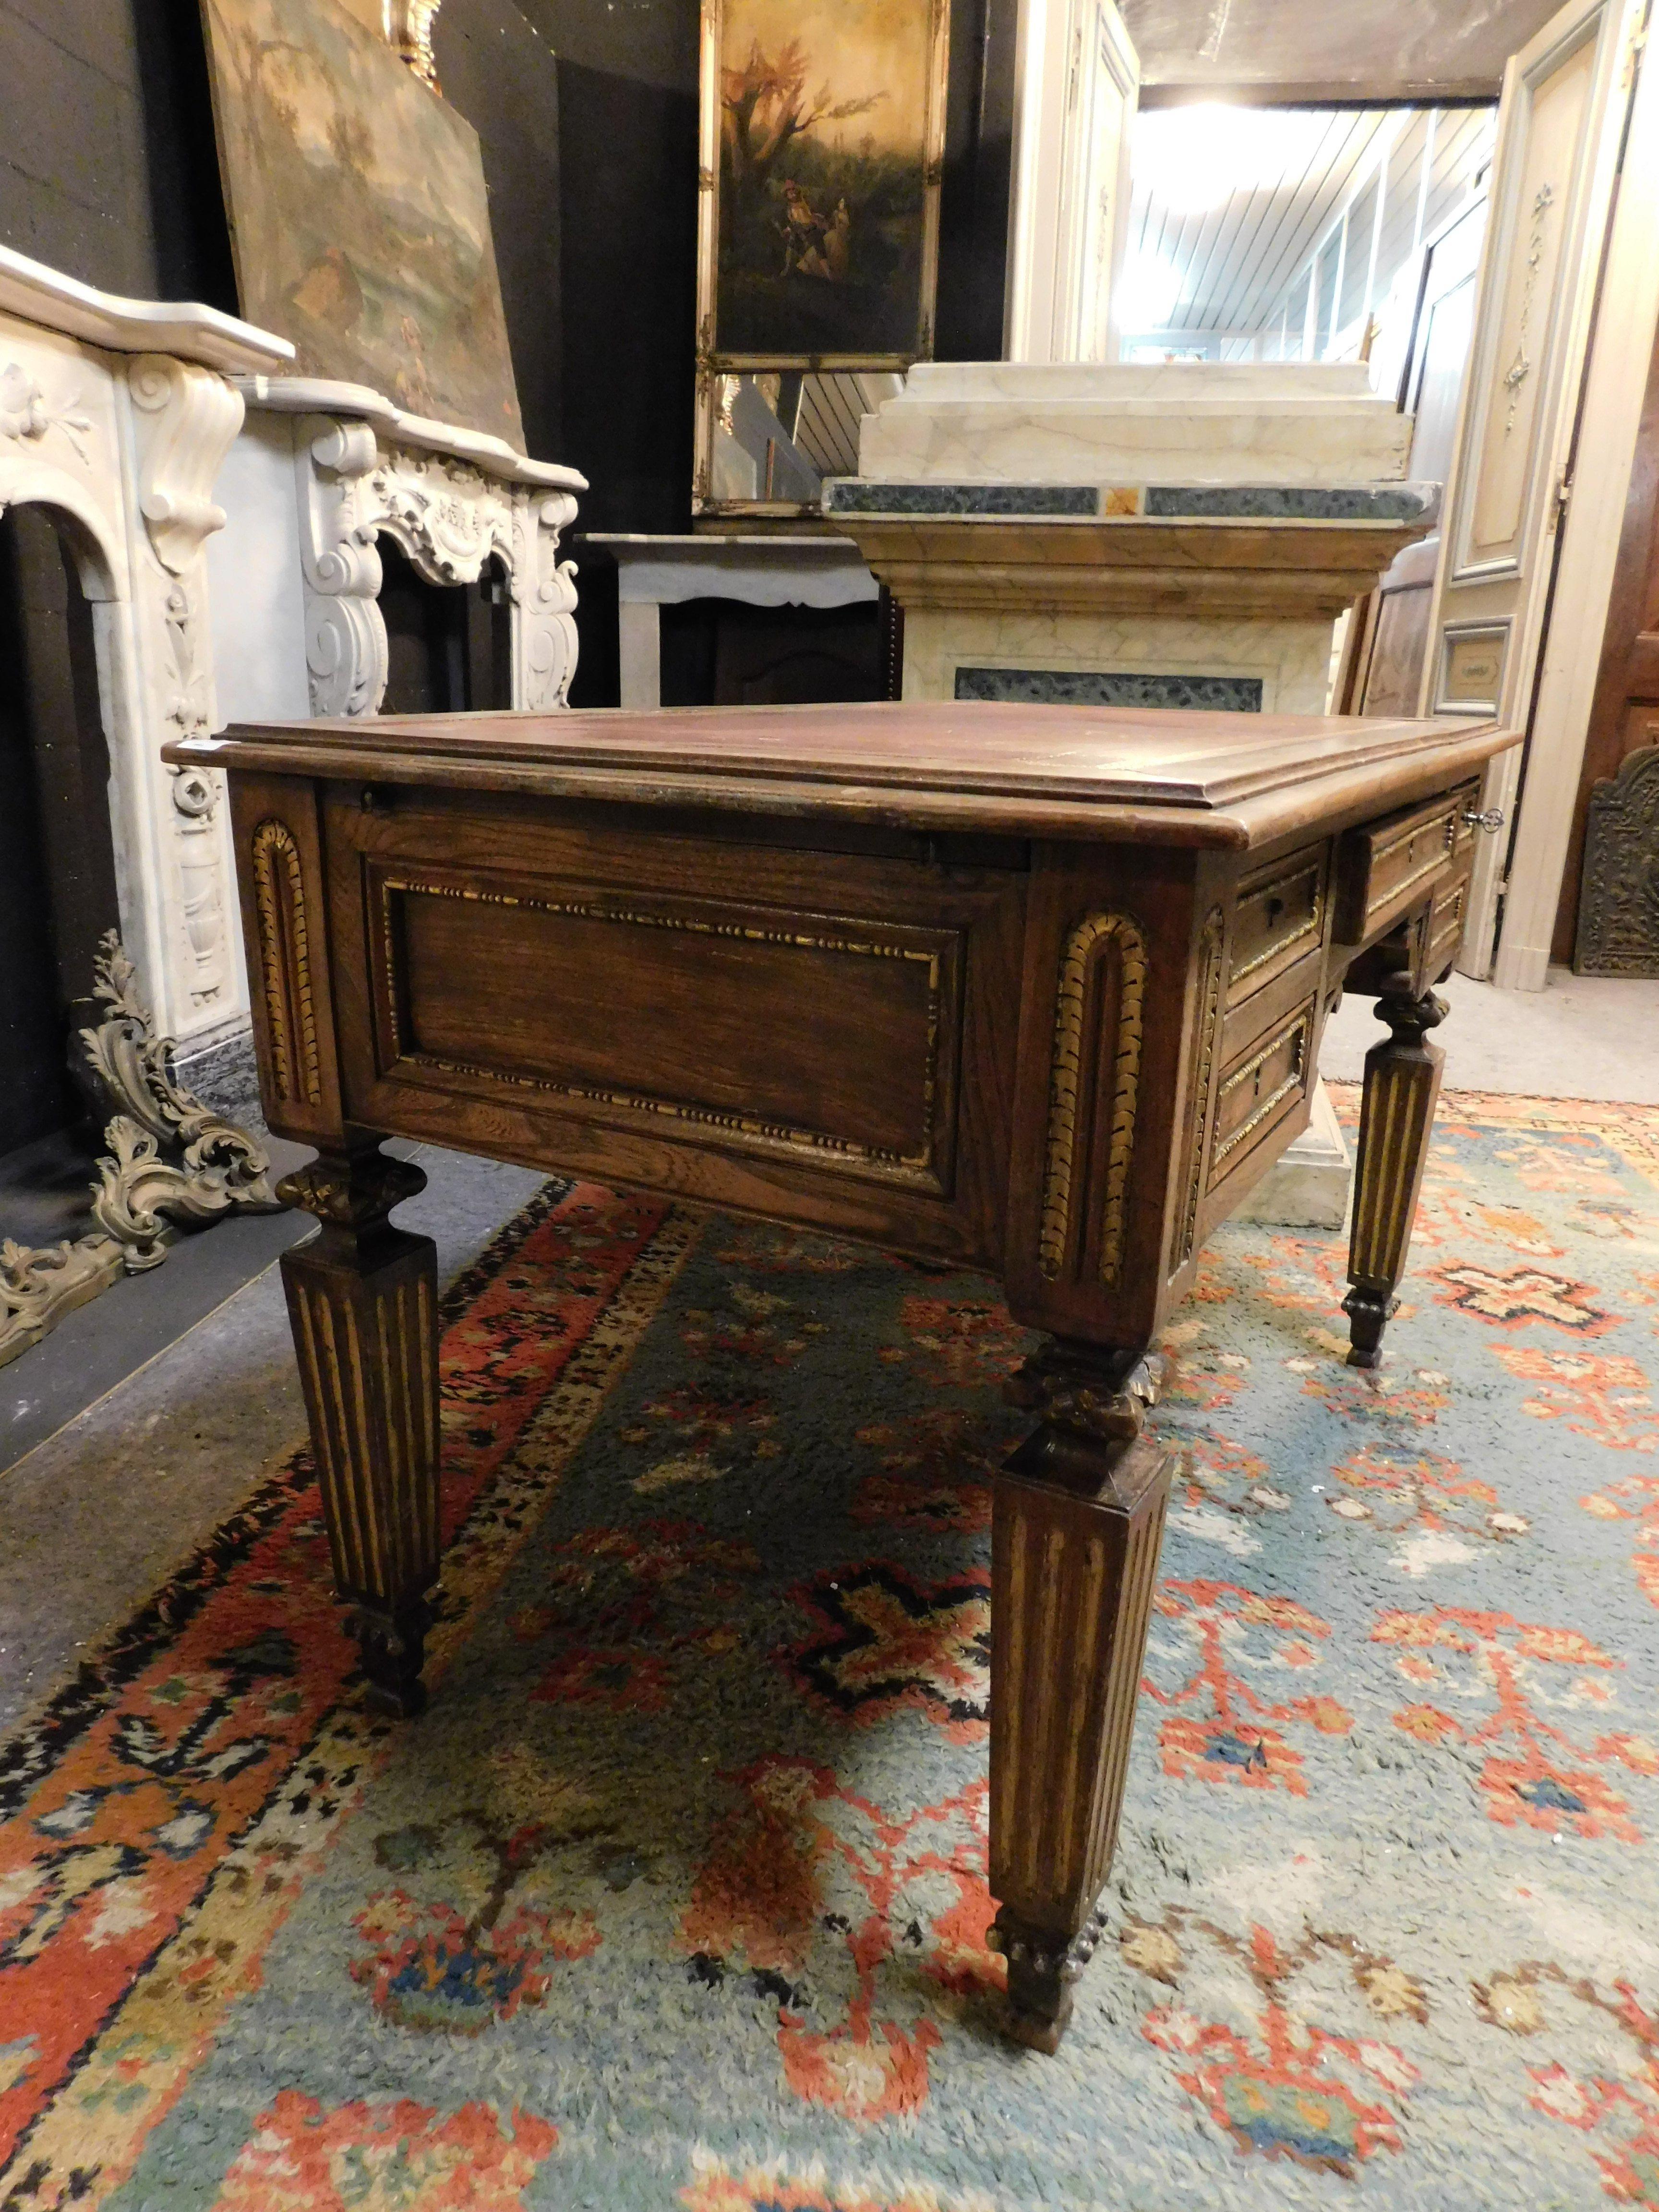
(116, 415)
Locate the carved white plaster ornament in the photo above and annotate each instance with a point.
(175, 1161)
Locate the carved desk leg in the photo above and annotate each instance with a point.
(1078, 1516)
(362, 1301)
(1402, 1081)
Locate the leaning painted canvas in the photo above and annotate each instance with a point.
(358, 212)
(828, 117)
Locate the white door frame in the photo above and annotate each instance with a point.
(1610, 418)
(1491, 595)
(1069, 208)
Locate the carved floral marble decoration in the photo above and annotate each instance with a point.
(174, 1162)
(115, 417)
(450, 518)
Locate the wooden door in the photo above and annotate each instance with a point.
(1395, 618)
(1553, 172)
(1079, 83)
(1624, 716)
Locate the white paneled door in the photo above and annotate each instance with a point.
(1077, 87)
(1560, 123)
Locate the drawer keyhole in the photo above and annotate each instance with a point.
(1255, 1088)
(1275, 907)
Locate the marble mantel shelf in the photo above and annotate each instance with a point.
(188, 331)
(314, 395)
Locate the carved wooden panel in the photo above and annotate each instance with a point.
(284, 958)
(284, 930)
(1094, 1090)
(767, 1028)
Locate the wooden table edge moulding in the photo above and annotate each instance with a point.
(1033, 989)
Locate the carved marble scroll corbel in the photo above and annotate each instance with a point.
(346, 655)
(543, 602)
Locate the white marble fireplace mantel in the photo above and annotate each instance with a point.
(116, 415)
(319, 470)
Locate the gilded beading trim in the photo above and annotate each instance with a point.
(1086, 939)
(1303, 864)
(1215, 923)
(1298, 1027)
(917, 1167)
(292, 1021)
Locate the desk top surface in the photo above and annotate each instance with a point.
(1180, 777)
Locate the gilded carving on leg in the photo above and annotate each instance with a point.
(1201, 1106)
(1081, 971)
(285, 965)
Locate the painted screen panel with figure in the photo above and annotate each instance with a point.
(822, 133)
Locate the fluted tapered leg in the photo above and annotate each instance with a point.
(362, 1300)
(1403, 1082)
(1078, 1517)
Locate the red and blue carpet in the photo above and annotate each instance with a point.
(676, 1896)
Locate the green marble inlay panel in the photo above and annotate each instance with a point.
(1083, 687)
(860, 495)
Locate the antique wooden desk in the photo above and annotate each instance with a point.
(1034, 989)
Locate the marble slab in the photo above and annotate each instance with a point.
(1227, 423)
(1171, 383)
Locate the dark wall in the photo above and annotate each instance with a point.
(628, 147)
(498, 72)
(979, 128)
(108, 169)
(57, 862)
(628, 171)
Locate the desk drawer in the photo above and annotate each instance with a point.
(1261, 1088)
(1384, 869)
(1279, 919)
(1446, 918)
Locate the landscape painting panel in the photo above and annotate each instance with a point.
(358, 211)
(823, 130)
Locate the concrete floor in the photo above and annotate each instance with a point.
(149, 1414)
(93, 1518)
(1582, 1036)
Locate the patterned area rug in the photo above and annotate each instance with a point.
(676, 1896)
